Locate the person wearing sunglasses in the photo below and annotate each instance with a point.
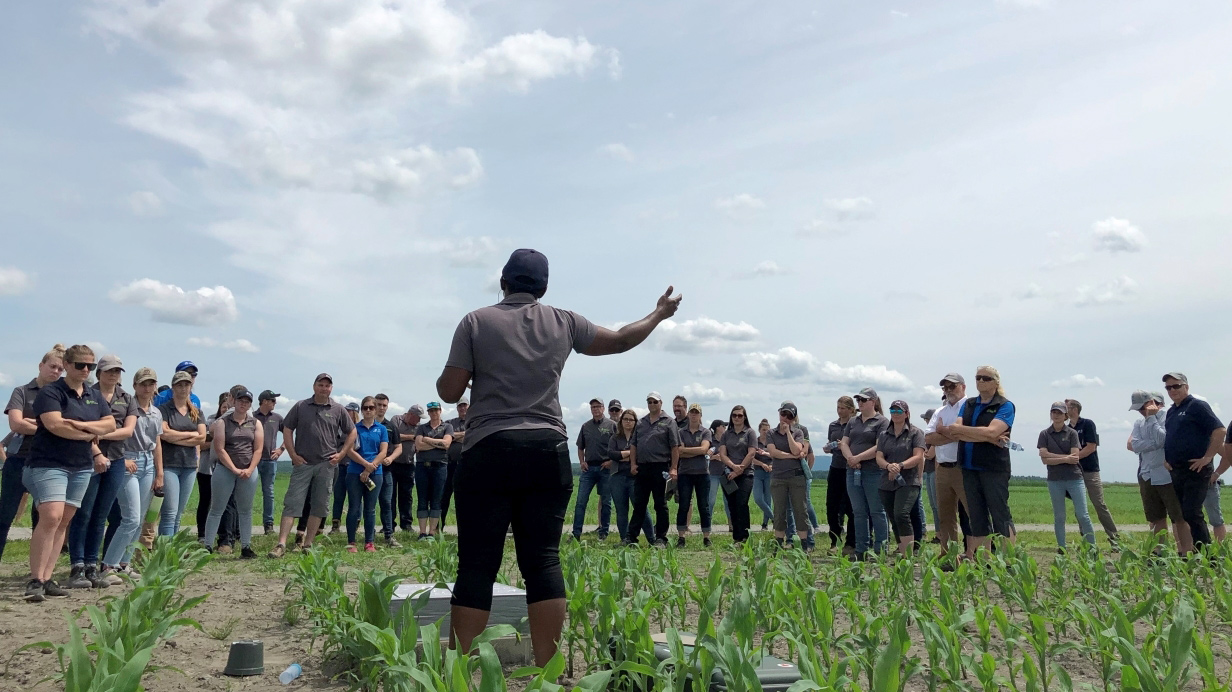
(787, 446)
(692, 474)
(238, 441)
(1193, 436)
(983, 431)
(364, 474)
(900, 455)
(23, 424)
(737, 449)
(432, 441)
(63, 457)
(859, 448)
(838, 503)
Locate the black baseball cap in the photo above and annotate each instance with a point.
(267, 394)
(526, 271)
(614, 403)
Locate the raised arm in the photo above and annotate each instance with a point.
(608, 342)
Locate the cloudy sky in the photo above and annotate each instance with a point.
(847, 194)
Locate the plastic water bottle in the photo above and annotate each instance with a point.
(293, 671)
(859, 478)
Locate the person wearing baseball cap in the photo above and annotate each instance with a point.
(516, 450)
(951, 495)
(190, 369)
(402, 469)
(317, 432)
(613, 411)
(1088, 461)
(1159, 501)
(596, 467)
(692, 474)
(238, 442)
(271, 451)
(143, 451)
(432, 441)
(900, 455)
(859, 448)
(654, 451)
(1059, 446)
(1193, 436)
(787, 447)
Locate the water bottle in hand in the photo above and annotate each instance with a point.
(293, 671)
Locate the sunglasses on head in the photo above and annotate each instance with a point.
(88, 367)
(1173, 387)
(985, 378)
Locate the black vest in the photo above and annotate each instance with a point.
(985, 456)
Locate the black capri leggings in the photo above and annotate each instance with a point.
(518, 477)
(900, 504)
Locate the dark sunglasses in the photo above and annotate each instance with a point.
(1173, 387)
(860, 400)
(617, 409)
(949, 385)
(367, 408)
(787, 414)
(88, 367)
(737, 415)
(985, 378)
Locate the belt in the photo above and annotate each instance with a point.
(947, 465)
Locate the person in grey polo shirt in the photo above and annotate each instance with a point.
(1059, 449)
(516, 466)
(692, 474)
(317, 433)
(402, 469)
(655, 450)
(596, 467)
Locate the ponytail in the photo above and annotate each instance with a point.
(194, 413)
(877, 405)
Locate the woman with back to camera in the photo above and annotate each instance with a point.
(516, 464)
(63, 456)
(859, 447)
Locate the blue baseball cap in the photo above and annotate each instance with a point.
(186, 365)
(526, 272)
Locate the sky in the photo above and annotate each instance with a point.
(846, 194)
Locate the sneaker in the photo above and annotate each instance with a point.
(108, 574)
(807, 545)
(225, 549)
(706, 541)
(680, 541)
(278, 551)
(948, 567)
(77, 578)
(130, 572)
(52, 590)
(299, 538)
(392, 542)
(369, 548)
(269, 528)
(765, 526)
(334, 527)
(247, 553)
(351, 548)
(661, 543)
(96, 580)
(34, 591)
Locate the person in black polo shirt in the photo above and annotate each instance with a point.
(1088, 460)
(1194, 435)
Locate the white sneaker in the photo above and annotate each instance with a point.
(111, 575)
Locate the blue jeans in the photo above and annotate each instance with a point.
(177, 488)
(222, 484)
(133, 499)
(359, 497)
(85, 532)
(866, 505)
(1078, 494)
(716, 482)
(268, 470)
(620, 488)
(430, 481)
(688, 486)
(930, 487)
(595, 478)
(385, 498)
(761, 495)
(11, 492)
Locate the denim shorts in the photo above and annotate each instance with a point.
(56, 484)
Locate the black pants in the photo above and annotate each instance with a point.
(518, 477)
(1191, 489)
(988, 500)
(738, 502)
(404, 481)
(204, 497)
(11, 491)
(646, 484)
(838, 507)
(451, 471)
(900, 505)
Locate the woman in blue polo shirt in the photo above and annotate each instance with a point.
(432, 440)
(363, 474)
(63, 456)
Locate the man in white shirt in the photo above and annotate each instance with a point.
(950, 493)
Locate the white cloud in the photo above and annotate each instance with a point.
(899, 14)
(169, 303)
(1063, 261)
(819, 228)
(14, 282)
(764, 269)
(145, 203)
(5, 380)
(1077, 382)
(1118, 235)
(466, 252)
(790, 363)
(236, 345)
(1120, 290)
(851, 207)
(617, 151)
(408, 170)
(705, 335)
(701, 394)
(737, 205)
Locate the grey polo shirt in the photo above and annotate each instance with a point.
(320, 429)
(785, 468)
(399, 427)
(178, 456)
(655, 439)
(592, 439)
(272, 422)
(897, 449)
(239, 440)
(145, 435)
(1062, 442)
(862, 436)
(22, 400)
(515, 351)
(122, 406)
(738, 445)
(698, 465)
(429, 456)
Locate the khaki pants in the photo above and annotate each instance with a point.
(1095, 497)
(950, 495)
